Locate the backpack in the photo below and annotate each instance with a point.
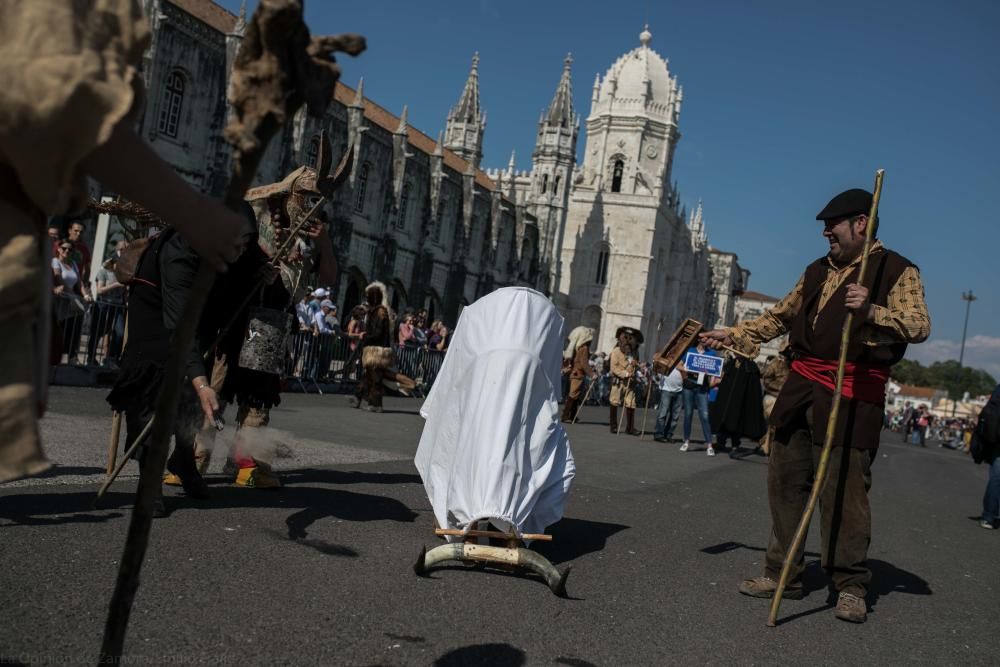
(127, 264)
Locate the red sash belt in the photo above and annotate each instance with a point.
(865, 382)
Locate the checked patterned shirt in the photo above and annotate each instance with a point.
(904, 318)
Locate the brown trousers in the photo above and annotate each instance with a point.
(844, 511)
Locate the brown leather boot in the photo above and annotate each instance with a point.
(630, 421)
(569, 409)
(614, 419)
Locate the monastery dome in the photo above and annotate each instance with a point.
(639, 82)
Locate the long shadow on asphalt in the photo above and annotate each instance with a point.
(312, 475)
(317, 503)
(572, 538)
(45, 509)
(493, 655)
(59, 470)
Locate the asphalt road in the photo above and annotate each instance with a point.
(320, 573)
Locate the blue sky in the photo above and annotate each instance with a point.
(786, 103)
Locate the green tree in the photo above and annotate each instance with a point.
(946, 375)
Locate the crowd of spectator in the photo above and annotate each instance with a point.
(419, 344)
(78, 309)
(917, 426)
(95, 310)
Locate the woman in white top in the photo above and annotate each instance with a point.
(71, 299)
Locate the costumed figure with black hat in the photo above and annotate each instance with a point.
(577, 353)
(376, 348)
(889, 312)
(624, 360)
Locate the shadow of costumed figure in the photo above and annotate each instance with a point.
(376, 348)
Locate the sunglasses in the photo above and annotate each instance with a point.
(66, 248)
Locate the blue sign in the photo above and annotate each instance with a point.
(709, 364)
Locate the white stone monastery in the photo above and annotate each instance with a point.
(608, 239)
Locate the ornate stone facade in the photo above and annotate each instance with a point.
(729, 281)
(626, 256)
(606, 239)
(416, 213)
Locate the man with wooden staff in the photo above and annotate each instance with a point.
(889, 312)
(623, 364)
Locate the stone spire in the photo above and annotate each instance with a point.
(466, 121)
(402, 122)
(359, 94)
(511, 164)
(561, 110)
(467, 108)
(699, 238)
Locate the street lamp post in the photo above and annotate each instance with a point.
(968, 297)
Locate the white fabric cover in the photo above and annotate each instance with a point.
(492, 446)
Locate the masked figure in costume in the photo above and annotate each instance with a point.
(623, 359)
(278, 209)
(577, 352)
(376, 348)
(492, 448)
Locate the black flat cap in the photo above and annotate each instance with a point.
(847, 203)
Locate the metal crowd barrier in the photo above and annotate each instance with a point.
(91, 334)
(318, 359)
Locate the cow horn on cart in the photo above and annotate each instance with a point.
(520, 556)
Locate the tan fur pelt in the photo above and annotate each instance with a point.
(577, 337)
(377, 357)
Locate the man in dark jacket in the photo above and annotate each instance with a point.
(889, 312)
(986, 449)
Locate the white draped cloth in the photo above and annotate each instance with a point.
(492, 446)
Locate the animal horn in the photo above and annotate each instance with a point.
(541, 566)
(439, 554)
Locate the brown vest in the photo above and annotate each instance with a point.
(859, 424)
(822, 338)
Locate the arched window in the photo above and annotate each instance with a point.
(603, 256)
(404, 201)
(170, 109)
(312, 156)
(442, 221)
(545, 183)
(555, 188)
(359, 202)
(616, 176)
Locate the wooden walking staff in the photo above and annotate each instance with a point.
(116, 418)
(278, 68)
(649, 386)
(822, 468)
(586, 395)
